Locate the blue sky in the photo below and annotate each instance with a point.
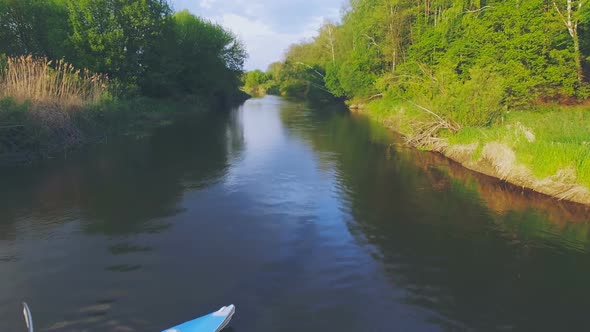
(266, 27)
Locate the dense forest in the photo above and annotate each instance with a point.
(122, 58)
(442, 53)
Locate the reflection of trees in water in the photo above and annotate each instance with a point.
(122, 186)
(118, 189)
(439, 241)
(502, 197)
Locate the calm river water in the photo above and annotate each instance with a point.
(307, 218)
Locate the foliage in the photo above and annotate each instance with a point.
(124, 50)
(194, 57)
(38, 27)
(112, 36)
(141, 45)
(465, 60)
(255, 82)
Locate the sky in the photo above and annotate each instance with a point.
(266, 27)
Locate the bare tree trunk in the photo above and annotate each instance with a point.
(393, 38)
(396, 26)
(571, 21)
(331, 40)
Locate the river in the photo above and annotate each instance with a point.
(307, 218)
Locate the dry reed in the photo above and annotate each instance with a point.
(51, 82)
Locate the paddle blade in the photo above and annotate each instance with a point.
(28, 317)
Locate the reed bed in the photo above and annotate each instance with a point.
(42, 105)
(47, 82)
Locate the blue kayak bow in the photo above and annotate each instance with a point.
(213, 322)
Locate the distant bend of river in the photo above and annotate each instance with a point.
(307, 218)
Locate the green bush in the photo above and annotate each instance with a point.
(294, 88)
(474, 101)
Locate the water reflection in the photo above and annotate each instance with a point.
(306, 217)
(113, 193)
(475, 252)
(118, 188)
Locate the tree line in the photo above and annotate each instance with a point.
(465, 60)
(142, 45)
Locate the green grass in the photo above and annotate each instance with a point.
(561, 134)
(561, 139)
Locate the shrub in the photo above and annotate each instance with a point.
(475, 101)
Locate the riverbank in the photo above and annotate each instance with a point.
(546, 150)
(31, 132)
(48, 107)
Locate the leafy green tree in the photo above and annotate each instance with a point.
(33, 27)
(571, 13)
(255, 82)
(138, 43)
(113, 36)
(194, 57)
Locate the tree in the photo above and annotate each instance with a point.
(113, 36)
(194, 57)
(33, 27)
(255, 82)
(571, 17)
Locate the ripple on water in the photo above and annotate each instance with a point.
(299, 215)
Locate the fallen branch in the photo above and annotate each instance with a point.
(425, 134)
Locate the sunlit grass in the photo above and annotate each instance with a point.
(561, 139)
(546, 139)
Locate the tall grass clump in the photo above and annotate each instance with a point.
(43, 106)
(46, 82)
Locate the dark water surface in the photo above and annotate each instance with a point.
(307, 219)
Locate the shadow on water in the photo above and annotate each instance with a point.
(475, 252)
(122, 186)
(111, 193)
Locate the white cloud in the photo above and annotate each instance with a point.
(267, 27)
(264, 44)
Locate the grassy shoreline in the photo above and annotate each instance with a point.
(36, 131)
(546, 149)
(50, 107)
